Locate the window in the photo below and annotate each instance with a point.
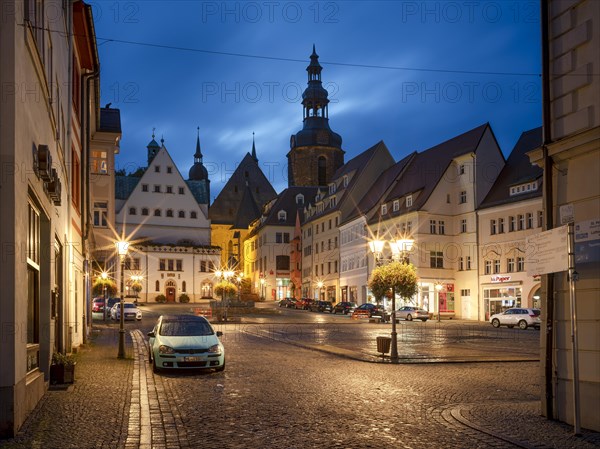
(299, 199)
(492, 227)
(169, 212)
(330, 223)
(441, 227)
(511, 224)
(332, 188)
(156, 188)
(278, 237)
(463, 225)
(161, 264)
(460, 264)
(183, 285)
(521, 222)
(157, 169)
(170, 264)
(100, 212)
(436, 259)
(169, 169)
(157, 212)
(500, 225)
(529, 220)
(286, 237)
(396, 205)
(520, 264)
(383, 209)
(448, 198)
(540, 218)
(488, 267)
(181, 190)
(144, 211)
(169, 189)
(322, 171)
(157, 286)
(99, 162)
(461, 169)
(33, 289)
(193, 214)
(409, 201)
(496, 266)
(132, 211)
(510, 265)
(345, 180)
(282, 215)
(76, 178)
(469, 266)
(282, 263)
(132, 263)
(316, 270)
(432, 228)
(465, 292)
(462, 199)
(144, 187)
(179, 265)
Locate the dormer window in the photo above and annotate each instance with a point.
(524, 188)
(345, 181)
(299, 199)
(409, 201)
(282, 215)
(332, 188)
(461, 169)
(157, 168)
(383, 209)
(332, 202)
(396, 205)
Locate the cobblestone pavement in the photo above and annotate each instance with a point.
(277, 395)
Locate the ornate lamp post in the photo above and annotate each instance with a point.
(400, 250)
(122, 248)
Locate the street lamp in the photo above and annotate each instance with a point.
(320, 285)
(400, 249)
(122, 247)
(438, 288)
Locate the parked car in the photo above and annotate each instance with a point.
(98, 305)
(321, 306)
(185, 342)
(131, 312)
(303, 303)
(287, 302)
(369, 311)
(344, 307)
(410, 313)
(516, 316)
(110, 303)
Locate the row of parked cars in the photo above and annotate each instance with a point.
(407, 313)
(113, 308)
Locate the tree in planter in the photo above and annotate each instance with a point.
(136, 286)
(100, 283)
(62, 369)
(184, 298)
(225, 289)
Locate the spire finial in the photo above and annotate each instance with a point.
(254, 148)
(198, 154)
(162, 140)
(153, 129)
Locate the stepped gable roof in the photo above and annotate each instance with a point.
(110, 120)
(124, 186)
(427, 168)
(199, 190)
(380, 186)
(286, 201)
(518, 170)
(227, 207)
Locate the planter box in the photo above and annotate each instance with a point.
(62, 374)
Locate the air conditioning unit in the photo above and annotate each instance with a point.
(54, 188)
(44, 163)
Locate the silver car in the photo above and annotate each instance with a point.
(517, 316)
(410, 313)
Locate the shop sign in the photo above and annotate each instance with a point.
(497, 278)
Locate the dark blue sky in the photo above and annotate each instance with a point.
(476, 62)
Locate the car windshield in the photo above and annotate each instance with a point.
(536, 312)
(184, 328)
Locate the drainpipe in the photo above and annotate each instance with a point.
(548, 208)
(475, 207)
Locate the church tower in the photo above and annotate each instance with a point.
(315, 151)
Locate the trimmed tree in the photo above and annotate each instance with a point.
(99, 284)
(225, 289)
(398, 276)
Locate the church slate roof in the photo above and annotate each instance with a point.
(227, 207)
(199, 190)
(518, 170)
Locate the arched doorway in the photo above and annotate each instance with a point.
(535, 299)
(170, 290)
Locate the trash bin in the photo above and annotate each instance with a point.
(383, 344)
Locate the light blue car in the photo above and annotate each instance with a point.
(185, 342)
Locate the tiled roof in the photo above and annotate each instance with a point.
(286, 201)
(124, 185)
(517, 170)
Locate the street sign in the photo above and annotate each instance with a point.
(547, 252)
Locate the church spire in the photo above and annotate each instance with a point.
(254, 149)
(314, 98)
(198, 153)
(152, 147)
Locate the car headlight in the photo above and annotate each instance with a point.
(215, 349)
(164, 349)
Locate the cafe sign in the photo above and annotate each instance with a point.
(497, 278)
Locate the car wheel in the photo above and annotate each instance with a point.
(523, 324)
(149, 355)
(496, 322)
(409, 317)
(423, 319)
(154, 367)
(221, 368)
